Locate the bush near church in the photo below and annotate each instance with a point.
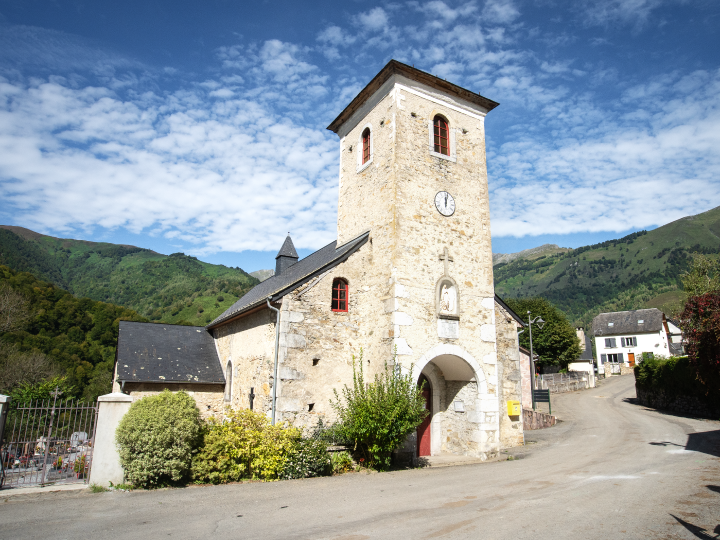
(377, 417)
(157, 438)
(556, 343)
(247, 446)
(701, 324)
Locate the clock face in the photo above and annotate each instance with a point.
(445, 203)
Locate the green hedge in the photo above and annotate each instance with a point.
(674, 376)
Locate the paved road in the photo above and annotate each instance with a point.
(611, 469)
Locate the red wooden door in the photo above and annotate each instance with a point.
(423, 430)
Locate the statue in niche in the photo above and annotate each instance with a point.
(448, 299)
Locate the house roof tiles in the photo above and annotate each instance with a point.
(165, 353)
(640, 321)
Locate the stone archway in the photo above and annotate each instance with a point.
(464, 416)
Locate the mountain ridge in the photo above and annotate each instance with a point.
(639, 270)
(176, 288)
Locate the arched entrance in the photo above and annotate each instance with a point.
(463, 419)
(423, 431)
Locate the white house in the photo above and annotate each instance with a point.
(623, 336)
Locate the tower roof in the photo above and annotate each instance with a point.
(287, 249)
(393, 67)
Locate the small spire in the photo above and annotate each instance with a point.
(286, 257)
(287, 249)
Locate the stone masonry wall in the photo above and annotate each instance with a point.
(510, 388)
(690, 405)
(537, 420)
(209, 397)
(249, 343)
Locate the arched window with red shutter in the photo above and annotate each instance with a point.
(365, 146)
(441, 135)
(339, 295)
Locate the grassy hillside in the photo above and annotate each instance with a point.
(175, 289)
(77, 337)
(639, 270)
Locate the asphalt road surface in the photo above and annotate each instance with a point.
(610, 469)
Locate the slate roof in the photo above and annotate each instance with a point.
(164, 353)
(626, 322)
(292, 277)
(587, 355)
(287, 249)
(394, 67)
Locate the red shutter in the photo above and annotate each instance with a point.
(339, 295)
(441, 136)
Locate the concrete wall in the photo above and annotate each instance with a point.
(105, 465)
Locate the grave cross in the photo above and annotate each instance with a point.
(446, 258)
(251, 395)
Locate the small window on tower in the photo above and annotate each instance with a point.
(366, 146)
(339, 295)
(441, 135)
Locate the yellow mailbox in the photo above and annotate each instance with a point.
(513, 408)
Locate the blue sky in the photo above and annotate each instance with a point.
(200, 126)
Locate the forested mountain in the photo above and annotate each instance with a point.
(59, 335)
(173, 288)
(639, 270)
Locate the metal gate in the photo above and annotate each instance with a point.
(47, 442)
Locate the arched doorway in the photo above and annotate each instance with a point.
(464, 418)
(424, 447)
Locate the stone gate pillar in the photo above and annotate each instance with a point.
(105, 466)
(4, 405)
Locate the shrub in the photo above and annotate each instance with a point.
(309, 458)
(673, 375)
(245, 445)
(377, 417)
(333, 434)
(156, 439)
(701, 323)
(341, 462)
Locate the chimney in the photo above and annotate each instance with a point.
(286, 257)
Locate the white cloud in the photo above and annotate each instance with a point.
(236, 159)
(373, 20)
(500, 11)
(634, 12)
(228, 175)
(631, 171)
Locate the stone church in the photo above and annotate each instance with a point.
(409, 279)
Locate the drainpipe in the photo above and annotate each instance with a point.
(277, 346)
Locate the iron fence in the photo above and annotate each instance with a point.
(47, 441)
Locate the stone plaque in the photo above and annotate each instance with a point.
(448, 329)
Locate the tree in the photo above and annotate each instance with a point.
(14, 309)
(702, 277)
(556, 343)
(701, 324)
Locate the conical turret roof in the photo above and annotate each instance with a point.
(287, 249)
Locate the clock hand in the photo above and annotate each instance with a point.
(446, 195)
